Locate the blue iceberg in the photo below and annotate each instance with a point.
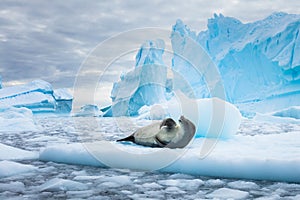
(63, 99)
(146, 84)
(259, 62)
(38, 96)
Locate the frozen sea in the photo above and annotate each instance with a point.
(49, 180)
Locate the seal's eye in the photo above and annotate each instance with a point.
(180, 120)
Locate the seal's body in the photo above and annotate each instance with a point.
(164, 134)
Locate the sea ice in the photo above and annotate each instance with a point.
(79, 194)
(243, 185)
(16, 119)
(10, 168)
(214, 182)
(58, 184)
(17, 187)
(192, 184)
(152, 186)
(226, 193)
(119, 180)
(268, 154)
(174, 190)
(85, 177)
(12, 153)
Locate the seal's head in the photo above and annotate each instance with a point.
(169, 123)
(187, 125)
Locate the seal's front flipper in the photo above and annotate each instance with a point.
(129, 138)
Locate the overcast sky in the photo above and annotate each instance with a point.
(50, 39)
